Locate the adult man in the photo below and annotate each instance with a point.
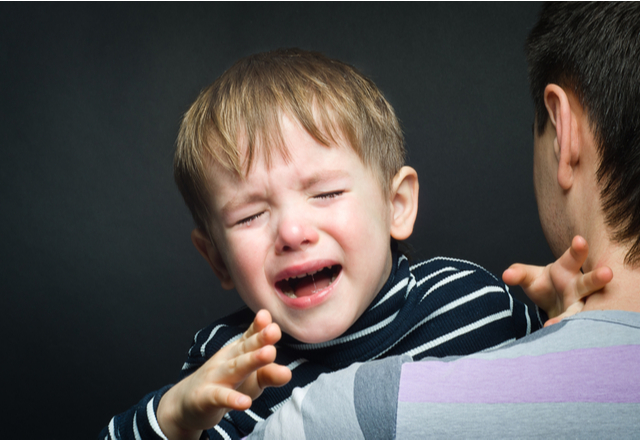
(581, 376)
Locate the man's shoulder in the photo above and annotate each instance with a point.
(356, 402)
(586, 330)
(538, 374)
(612, 317)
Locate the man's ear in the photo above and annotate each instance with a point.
(566, 144)
(404, 203)
(210, 253)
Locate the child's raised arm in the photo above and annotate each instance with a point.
(560, 288)
(228, 381)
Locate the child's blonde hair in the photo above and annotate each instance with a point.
(239, 115)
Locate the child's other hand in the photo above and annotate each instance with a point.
(228, 381)
(560, 288)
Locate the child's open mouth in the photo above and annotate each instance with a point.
(310, 283)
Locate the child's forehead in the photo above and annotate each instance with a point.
(289, 147)
(280, 142)
(259, 155)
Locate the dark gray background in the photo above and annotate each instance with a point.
(101, 287)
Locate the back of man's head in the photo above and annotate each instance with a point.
(593, 51)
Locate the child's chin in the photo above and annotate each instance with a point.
(320, 336)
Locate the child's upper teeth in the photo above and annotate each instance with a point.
(291, 294)
(304, 274)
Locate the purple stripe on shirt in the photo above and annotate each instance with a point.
(606, 375)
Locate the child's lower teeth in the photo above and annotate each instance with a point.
(291, 294)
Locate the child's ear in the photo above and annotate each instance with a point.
(210, 253)
(404, 203)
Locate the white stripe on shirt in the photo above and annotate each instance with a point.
(446, 308)
(446, 281)
(235, 338)
(222, 432)
(435, 274)
(458, 260)
(465, 299)
(195, 339)
(296, 363)
(395, 289)
(412, 284)
(211, 335)
(254, 416)
(153, 421)
(461, 331)
(136, 432)
(538, 315)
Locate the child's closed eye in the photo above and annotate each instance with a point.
(247, 221)
(329, 195)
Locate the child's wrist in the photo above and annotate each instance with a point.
(168, 418)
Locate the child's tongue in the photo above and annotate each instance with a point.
(312, 283)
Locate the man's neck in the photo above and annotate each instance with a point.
(623, 292)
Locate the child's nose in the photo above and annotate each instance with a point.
(295, 235)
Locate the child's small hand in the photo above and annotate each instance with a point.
(228, 381)
(560, 288)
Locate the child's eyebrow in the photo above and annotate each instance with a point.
(323, 176)
(235, 203)
(306, 183)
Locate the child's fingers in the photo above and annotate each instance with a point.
(273, 375)
(260, 333)
(576, 255)
(261, 320)
(521, 274)
(536, 284)
(222, 397)
(571, 310)
(267, 336)
(239, 368)
(593, 281)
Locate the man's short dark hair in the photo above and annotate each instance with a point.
(593, 50)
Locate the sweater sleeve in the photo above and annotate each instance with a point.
(522, 318)
(138, 422)
(525, 319)
(467, 309)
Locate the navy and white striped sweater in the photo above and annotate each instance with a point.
(440, 307)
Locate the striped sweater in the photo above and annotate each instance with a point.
(440, 307)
